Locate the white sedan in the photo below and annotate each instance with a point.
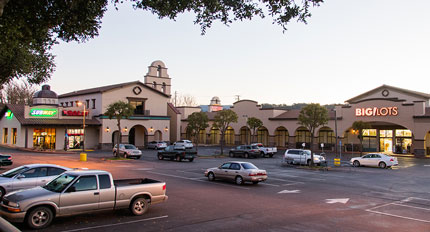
(374, 159)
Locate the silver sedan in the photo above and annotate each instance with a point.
(28, 176)
(238, 171)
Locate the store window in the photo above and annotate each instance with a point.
(139, 106)
(214, 136)
(229, 136)
(5, 134)
(370, 141)
(14, 135)
(74, 138)
(403, 141)
(327, 137)
(44, 138)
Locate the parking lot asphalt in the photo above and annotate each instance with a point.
(292, 199)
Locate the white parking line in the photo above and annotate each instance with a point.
(116, 224)
(274, 185)
(402, 204)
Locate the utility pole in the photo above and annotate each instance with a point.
(237, 97)
(176, 92)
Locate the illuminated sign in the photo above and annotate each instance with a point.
(43, 112)
(375, 111)
(74, 113)
(215, 108)
(8, 114)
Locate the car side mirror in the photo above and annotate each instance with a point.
(71, 189)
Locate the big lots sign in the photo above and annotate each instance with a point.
(74, 113)
(376, 111)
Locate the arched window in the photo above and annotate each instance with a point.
(229, 136)
(159, 71)
(263, 135)
(163, 87)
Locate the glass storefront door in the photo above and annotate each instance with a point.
(44, 138)
(386, 144)
(75, 138)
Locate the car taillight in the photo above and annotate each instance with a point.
(391, 159)
(252, 174)
(164, 187)
(9, 158)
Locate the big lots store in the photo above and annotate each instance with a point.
(399, 119)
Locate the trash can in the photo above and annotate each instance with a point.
(83, 157)
(336, 162)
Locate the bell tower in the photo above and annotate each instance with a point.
(158, 78)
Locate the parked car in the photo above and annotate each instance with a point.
(177, 153)
(374, 159)
(127, 150)
(300, 156)
(185, 143)
(28, 176)
(156, 145)
(265, 151)
(5, 160)
(81, 191)
(246, 151)
(238, 171)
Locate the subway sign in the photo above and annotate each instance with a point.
(8, 114)
(45, 113)
(376, 111)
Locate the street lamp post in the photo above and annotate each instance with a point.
(335, 128)
(83, 126)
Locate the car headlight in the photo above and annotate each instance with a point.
(13, 204)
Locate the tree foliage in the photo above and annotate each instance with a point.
(197, 121)
(359, 126)
(313, 116)
(119, 110)
(222, 121)
(253, 124)
(29, 29)
(17, 92)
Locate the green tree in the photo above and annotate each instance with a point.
(197, 121)
(222, 121)
(313, 116)
(29, 29)
(253, 124)
(360, 126)
(119, 110)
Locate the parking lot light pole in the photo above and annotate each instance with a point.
(335, 128)
(83, 126)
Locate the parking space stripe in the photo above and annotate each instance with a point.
(410, 206)
(116, 224)
(398, 216)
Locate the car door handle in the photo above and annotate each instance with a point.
(96, 193)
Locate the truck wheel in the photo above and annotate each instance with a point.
(178, 158)
(160, 157)
(139, 206)
(39, 218)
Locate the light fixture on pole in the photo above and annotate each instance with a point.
(83, 125)
(335, 128)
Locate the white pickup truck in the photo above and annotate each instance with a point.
(300, 156)
(80, 191)
(264, 151)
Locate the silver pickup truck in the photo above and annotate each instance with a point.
(78, 192)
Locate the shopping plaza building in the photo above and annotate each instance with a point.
(399, 119)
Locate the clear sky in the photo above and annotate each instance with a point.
(348, 47)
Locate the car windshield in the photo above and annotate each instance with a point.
(248, 166)
(11, 173)
(129, 146)
(254, 147)
(60, 183)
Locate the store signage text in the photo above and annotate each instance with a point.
(376, 111)
(43, 112)
(74, 113)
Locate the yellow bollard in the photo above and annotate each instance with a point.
(336, 162)
(83, 156)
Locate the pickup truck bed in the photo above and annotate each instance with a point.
(125, 182)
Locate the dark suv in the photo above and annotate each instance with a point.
(246, 151)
